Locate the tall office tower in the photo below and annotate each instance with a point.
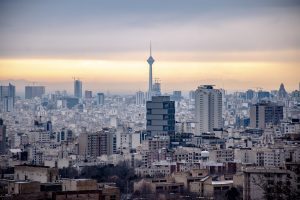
(77, 88)
(139, 98)
(264, 113)
(2, 137)
(249, 94)
(208, 108)
(160, 116)
(282, 92)
(176, 95)
(192, 95)
(100, 99)
(150, 62)
(156, 88)
(7, 97)
(88, 94)
(8, 104)
(7, 91)
(34, 91)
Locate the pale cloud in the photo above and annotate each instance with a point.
(98, 29)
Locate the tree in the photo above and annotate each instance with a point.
(275, 190)
(120, 174)
(68, 172)
(232, 194)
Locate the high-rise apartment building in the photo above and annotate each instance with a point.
(82, 142)
(88, 94)
(2, 137)
(264, 113)
(77, 88)
(250, 94)
(160, 116)
(7, 97)
(139, 98)
(103, 142)
(156, 88)
(34, 91)
(176, 95)
(208, 109)
(192, 95)
(108, 141)
(93, 144)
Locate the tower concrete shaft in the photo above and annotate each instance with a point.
(150, 62)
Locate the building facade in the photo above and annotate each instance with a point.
(78, 88)
(265, 113)
(34, 91)
(100, 99)
(208, 109)
(160, 116)
(2, 137)
(101, 143)
(7, 97)
(139, 98)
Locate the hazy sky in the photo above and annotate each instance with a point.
(231, 44)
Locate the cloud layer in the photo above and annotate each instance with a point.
(102, 29)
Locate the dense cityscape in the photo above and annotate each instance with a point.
(149, 100)
(210, 145)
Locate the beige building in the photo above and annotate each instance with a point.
(79, 184)
(156, 185)
(221, 155)
(156, 143)
(208, 109)
(256, 178)
(265, 113)
(82, 142)
(23, 187)
(158, 168)
(197, 181)
(100, 143)
(41, 174)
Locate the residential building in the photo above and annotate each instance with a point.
(265, 113)
(2, 137)
(208, 109)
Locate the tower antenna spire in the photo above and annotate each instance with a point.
(150, 49)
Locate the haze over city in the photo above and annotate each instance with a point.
(149, 100)
(227, 43)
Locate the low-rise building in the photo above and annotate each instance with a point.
(79, 184)
(158, 186)
(41, 174)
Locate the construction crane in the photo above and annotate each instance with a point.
(75, 78)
